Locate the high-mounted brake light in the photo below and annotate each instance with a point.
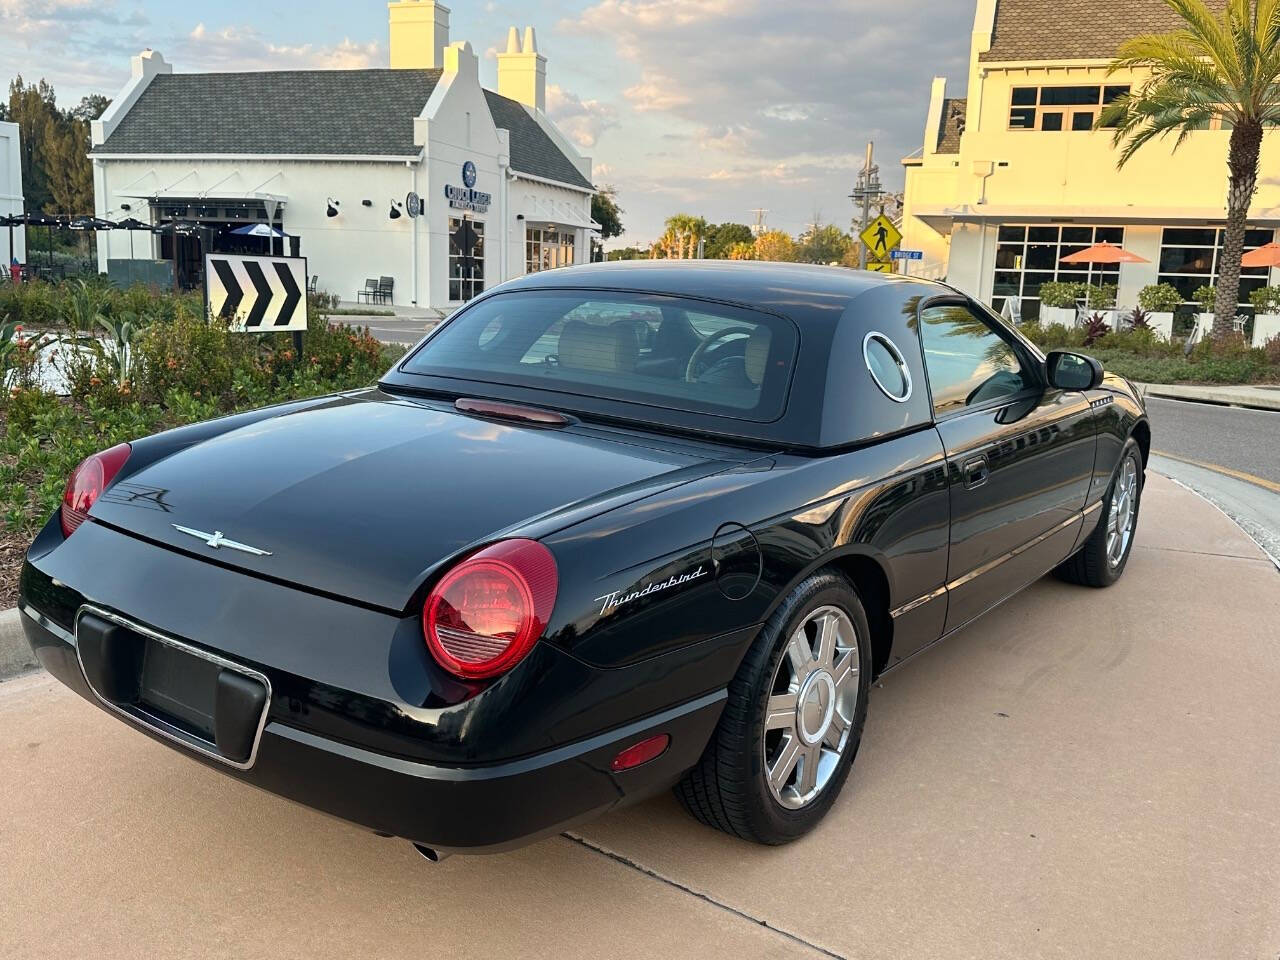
(86, 483)
(485, 614)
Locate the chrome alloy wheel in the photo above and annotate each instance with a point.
(811, 707)
(1124, 501)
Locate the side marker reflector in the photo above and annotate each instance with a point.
(642, 752)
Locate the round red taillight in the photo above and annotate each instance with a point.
(87, 482)
(486, 613)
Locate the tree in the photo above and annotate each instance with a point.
(627, 253)
(683, 233)
(604, 211)
(774, 245)
(827, 244)
(1225, 66)
(57, 175)
(742, 251)
(90, 107)
(721, 237)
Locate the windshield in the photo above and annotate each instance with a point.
(649, 349)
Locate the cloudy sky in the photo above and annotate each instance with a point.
(713, 107)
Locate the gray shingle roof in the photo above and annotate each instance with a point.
(1075, 29)
(532, 151)
(312, 112)
(287, 112)
(952, 124)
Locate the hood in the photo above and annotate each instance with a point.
(361, 498)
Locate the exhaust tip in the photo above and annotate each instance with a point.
(429, 853)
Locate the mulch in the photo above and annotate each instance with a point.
(12, 548)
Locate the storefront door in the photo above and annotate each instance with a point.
(466, 258)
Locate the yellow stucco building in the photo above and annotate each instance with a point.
(1012, 177)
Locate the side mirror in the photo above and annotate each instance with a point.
(1072, 371)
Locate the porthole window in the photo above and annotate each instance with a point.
(888, 368)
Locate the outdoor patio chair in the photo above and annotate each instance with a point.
(370, 292)
(385, 287)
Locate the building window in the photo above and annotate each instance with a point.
(1047, 108)
(1189, 260)
(466, 258)
(1029, 256)
(548, 249)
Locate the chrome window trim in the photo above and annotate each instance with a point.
(156, 724)
(898, 358)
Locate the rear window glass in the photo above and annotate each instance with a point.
(636, 348)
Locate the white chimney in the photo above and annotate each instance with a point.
(522, 71)
(419, 34)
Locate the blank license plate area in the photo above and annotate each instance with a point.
(179, 688)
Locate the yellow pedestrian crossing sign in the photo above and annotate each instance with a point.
(880, 266)
(881, 238)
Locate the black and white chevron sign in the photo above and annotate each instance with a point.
(257, 294)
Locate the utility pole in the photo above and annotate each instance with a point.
(759, 224)
(866, 192)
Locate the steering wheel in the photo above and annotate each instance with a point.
(691, 372)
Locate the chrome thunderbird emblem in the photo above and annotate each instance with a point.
(216, 540)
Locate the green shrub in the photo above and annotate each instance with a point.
(1266, 299)
(1052, 336)
(1101, 296)
(191, 354)
(1205, 296)
(1159, 298)
(1061, 294)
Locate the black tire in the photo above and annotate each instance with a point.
(1089, 566)
(728, 789)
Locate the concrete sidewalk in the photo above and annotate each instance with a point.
(1262, 397)
(1081, 774)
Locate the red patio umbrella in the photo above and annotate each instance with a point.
(1102, 253)
(1267, 255)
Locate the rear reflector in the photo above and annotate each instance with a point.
(642, 752)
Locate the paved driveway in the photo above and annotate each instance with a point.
(1083, 774)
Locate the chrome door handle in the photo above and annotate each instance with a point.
(976, 471)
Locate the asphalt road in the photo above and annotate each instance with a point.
(1228, 455)
(1241, 440)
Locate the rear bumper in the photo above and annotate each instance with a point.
(471, 809)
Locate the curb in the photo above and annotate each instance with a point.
(1253, 398)
(15, 654)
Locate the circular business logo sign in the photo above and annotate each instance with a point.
(469, 174)
(413, 205)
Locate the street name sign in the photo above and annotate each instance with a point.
(257, 294)
(881, 237)
(907, 255)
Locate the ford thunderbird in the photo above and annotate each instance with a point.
(605, 531)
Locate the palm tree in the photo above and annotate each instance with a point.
(1215, 65)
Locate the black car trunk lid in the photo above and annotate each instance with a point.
(362, 499)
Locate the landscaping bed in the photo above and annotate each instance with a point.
(138, 373)
(1144, 356)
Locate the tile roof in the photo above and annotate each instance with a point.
(952, 124)
(1075, 29)
(312, 112)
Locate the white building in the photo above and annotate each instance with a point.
(338, 159)
(11, 193)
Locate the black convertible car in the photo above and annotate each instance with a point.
(606, 530)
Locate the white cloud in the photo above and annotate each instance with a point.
(758, 103)
(245, 48)
(582, 121)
